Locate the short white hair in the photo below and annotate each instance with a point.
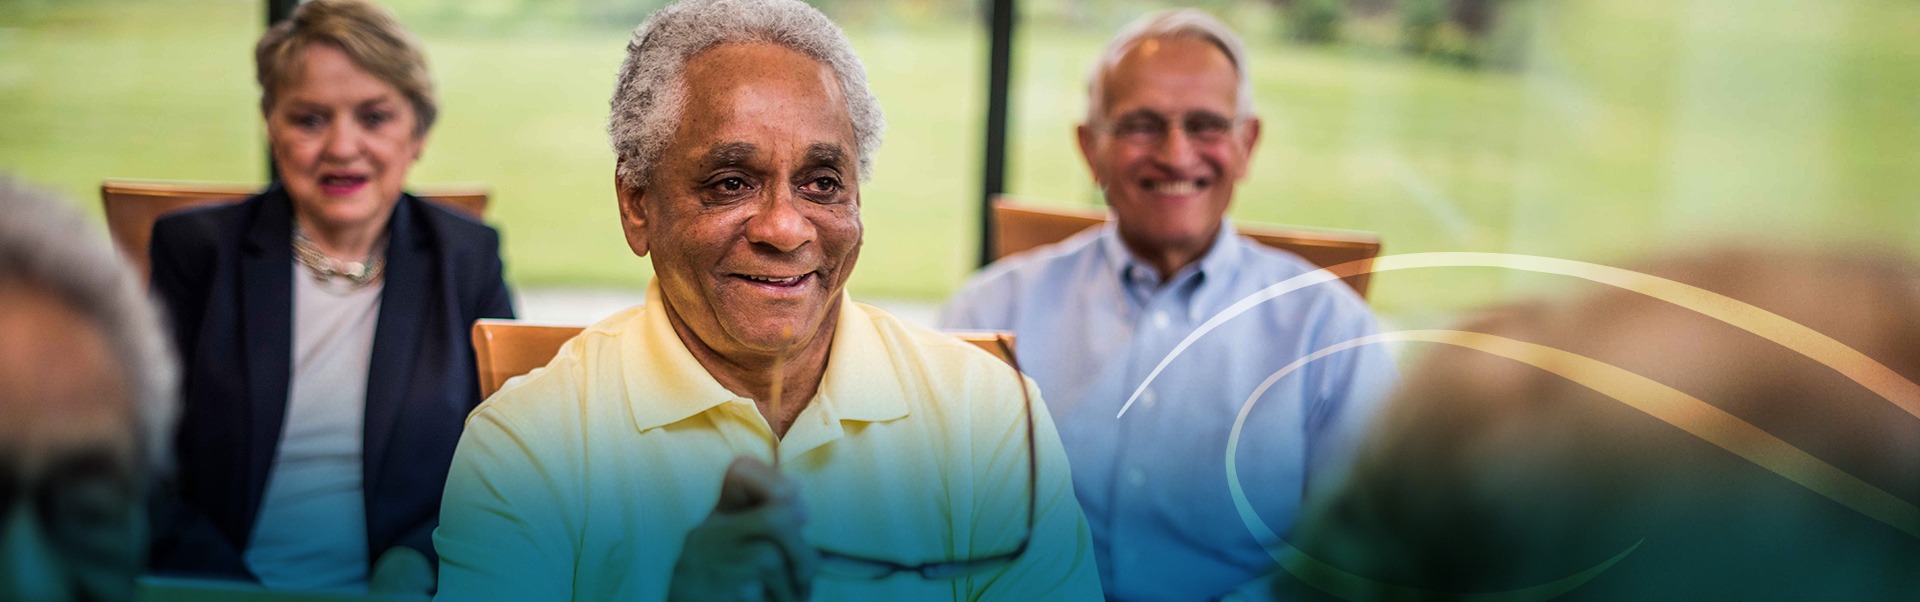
(48, 247)
(1190, 23)
(652, 90)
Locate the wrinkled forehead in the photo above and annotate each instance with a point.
(62, 390)
(765, 97)
(753, 60)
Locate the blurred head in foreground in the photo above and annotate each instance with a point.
(86, 385)
(1492, 475)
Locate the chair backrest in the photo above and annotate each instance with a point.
(509, 348)
(133, 205)
(1020, 226)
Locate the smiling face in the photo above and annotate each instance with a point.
(343, 140)
(1166, 147)
(752, 216)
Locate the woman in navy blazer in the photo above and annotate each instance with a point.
(347, 106)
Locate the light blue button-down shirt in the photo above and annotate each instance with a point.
(1092, 321)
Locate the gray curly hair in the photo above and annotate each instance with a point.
(652, 89)
(1189, 23)
(47, 247)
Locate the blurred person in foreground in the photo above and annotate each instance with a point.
(324, 326)
(1169, 132)
(751, 433)
(87, 397)
(1492, 475)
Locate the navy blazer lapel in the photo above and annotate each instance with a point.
(396, 339)
(266, 307)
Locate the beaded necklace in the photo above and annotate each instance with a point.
(324, 267)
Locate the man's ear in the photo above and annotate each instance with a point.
(633, 214)
(1085, 134)
(1249, 140)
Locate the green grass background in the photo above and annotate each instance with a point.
(1626, 127)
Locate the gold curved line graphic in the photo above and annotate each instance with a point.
(1847, 361)
(1346, 585)
(1665, 403)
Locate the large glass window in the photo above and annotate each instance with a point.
(1586, 129)
(92, 89)
(163, 89)
(525, 88)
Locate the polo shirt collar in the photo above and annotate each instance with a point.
(665, 384)
(861, 383)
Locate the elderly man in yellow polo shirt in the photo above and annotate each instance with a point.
(750, 433)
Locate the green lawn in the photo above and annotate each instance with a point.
(1631, 126)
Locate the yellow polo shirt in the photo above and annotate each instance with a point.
(580, 480)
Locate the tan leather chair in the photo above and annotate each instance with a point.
(133, 205)
(509, 348)
(1019, 226)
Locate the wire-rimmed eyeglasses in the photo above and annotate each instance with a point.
(1147, 128)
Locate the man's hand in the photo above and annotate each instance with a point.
(749, 548)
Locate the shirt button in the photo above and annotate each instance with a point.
(1148, 398)
(1161, 320)
(1136, 477)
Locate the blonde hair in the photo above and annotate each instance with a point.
(367, 33)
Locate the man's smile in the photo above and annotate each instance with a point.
(774, 283)
(1176, 187)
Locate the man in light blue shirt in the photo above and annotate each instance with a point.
(1169, 131)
